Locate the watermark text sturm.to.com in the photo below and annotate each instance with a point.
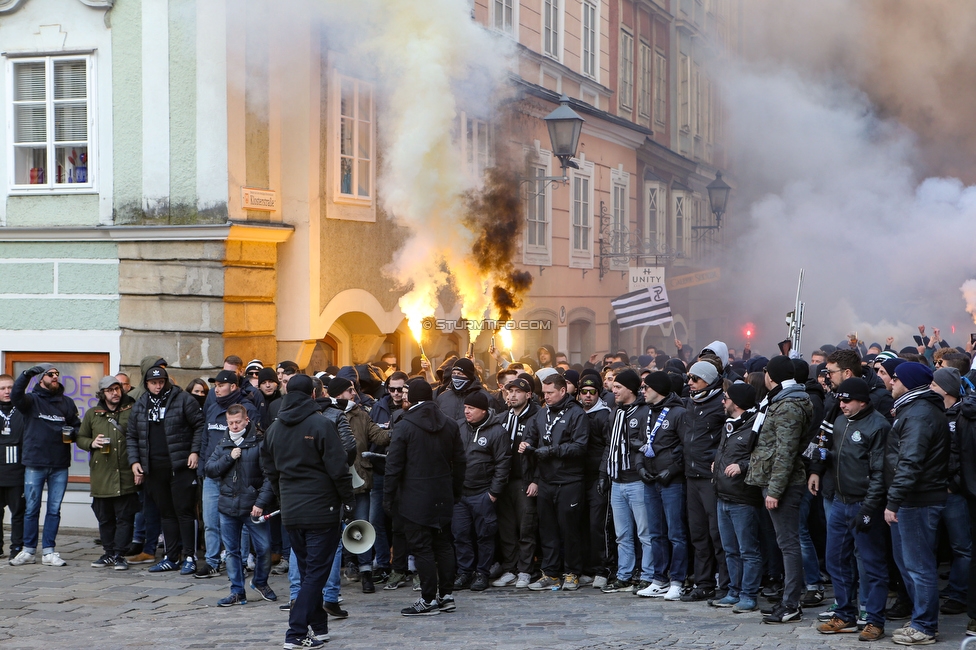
(492, 325)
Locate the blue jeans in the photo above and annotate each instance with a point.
(913, 541)
(381, 548)
(956, 518)
(630, 509)
(211, 520)
(811, 563)
(669, 535)
(842, 540)
(330, 593)
(230, 534)
(57, 482)
(738, 524)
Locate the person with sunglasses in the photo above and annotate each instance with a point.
(51, 423)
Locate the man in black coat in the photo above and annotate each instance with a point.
(425, 469)
(555, 441)
(488, 457)
(11, 468)
(601, 551)
(306, 464)
(163, 442)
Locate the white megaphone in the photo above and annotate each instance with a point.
(357, 480)
(358, 537)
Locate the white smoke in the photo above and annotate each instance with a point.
(968, 289)
(824, 184)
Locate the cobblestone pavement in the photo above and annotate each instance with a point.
(80, 607)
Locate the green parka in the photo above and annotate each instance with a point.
(111, 473)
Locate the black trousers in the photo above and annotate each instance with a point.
(971, 592)
(116, 518)
(703, 532)
(315, 549)
(13, 497)
(561, 527)
(175, 494)
(398, 559)
(518, 525)
(600, 558)
(433, 553)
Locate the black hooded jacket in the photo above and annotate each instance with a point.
(425, 467)
(452, 401)
(306, 464)
(705, 422)
(734, 448)
(916, 464)
(667, 446)
(569, 430)
(183, 425)
(487, 455)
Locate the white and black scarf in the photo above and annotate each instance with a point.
(911, 396)
(619, 457)
(157, 410)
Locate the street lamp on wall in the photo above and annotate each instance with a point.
(718, 197)
(564, 126)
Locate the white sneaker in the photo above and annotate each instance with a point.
(599, 582)
(22, 558)
(523, 581)
(674, 593)
(585, 581)
(52, 559)
(505, 579)
(654, 591)
(251, 562)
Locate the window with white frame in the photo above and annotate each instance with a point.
(552, 28)
(581, 228)
(620, 217)
(504, 16)
(681, 233)
(476, 146)
(626, 70)
(696, 99)
(684, 93)
(660, 88)
(644, 92)
(52, 123)
(590, 42)
(655, 216)
(538, 210)
(355, 168)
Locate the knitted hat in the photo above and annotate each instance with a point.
(742, 395)
(890, 365)
(644, 360)
(854, 388)
(705, 371)
(801, 370)
(948, 380)
(267, 374)
(419, 391)
(913, 375)
(780, 368)
(590, 371)
(253, 364)
(478, 400)
(884, 356)
(337, 386)
(542, 373)
(659, 382)
(572, 377)
(466, 366)
(628, 379)
(590, 381)
(300, 384)
(756, 363)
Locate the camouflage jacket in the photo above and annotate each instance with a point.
(775, 463)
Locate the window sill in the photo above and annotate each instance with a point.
(581, 262)
(343, 199)
(50, 191)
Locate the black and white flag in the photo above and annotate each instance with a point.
(648, 306)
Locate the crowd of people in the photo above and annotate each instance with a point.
(707, 477)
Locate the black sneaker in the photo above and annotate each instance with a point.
(480, 582)
(951, 607)
(366, 579)
(773, 592)
(333, 610)
(104, 562)
(422, 608)
(784, 614)
(446, 603)
(617, 585)
(698, 594)
(310, 641)
(286, 607)
(462, 581)
(900, 610)
(206, 571)
(812, 597)
(121, 564)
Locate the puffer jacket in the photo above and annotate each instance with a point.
(775, 463)
(111, 473)
(858, 458)
(916, 464)
(216, 413)
(44, 413)
(183, 424)
(487, 456)
(705, 422)
(734, 448)
(568, 435)
(667, 446)
(243, 483)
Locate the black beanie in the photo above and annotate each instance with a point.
(337, 386)
(466, 366)
(478, 400)
(300, 384)
(742, 395)
(267, 374)
(630, 380)
(419, 391)
(572, 377)
(801, 371)
(591, 371)
(780, 368)
(854, 388)
(659, 382)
